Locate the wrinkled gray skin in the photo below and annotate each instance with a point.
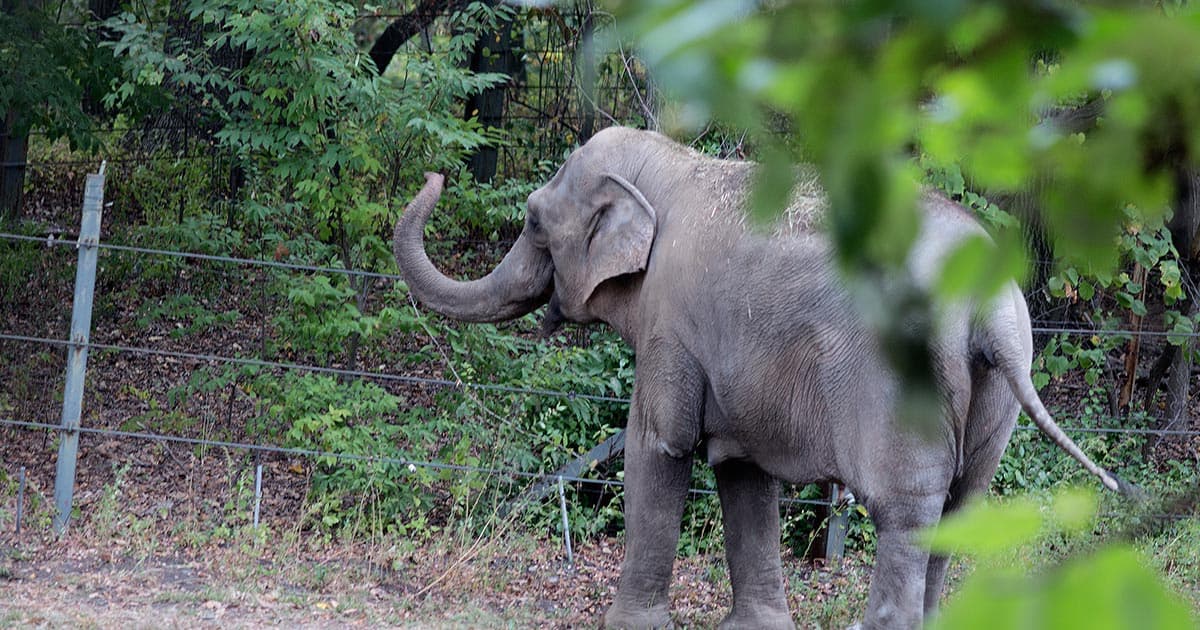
(749, 351)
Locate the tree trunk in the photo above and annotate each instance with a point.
(1185, 222)
(404, 27)
(14, 151)
(1177, 384)
(588, 77)
(14, 141)
(1184, 225)
(494, 52)
(99, 10)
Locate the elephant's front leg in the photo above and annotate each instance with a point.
(656, 485)
(749, 504)
(664, 425)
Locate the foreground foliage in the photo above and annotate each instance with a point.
(955, 95)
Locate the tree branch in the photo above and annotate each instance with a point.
(404, 27)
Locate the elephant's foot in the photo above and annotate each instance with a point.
(629, 618)
(747, 618)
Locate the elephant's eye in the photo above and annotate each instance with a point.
(534, 228)
(594, 223)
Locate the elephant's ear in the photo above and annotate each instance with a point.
(621, 234)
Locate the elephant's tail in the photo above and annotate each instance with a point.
(1022, 385)
(1004, 350)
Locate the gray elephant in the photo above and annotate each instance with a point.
(749, 351)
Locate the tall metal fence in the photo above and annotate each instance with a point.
(564, 84)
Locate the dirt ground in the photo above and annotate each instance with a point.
(505, 582)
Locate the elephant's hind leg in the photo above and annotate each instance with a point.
(897, 597)
(990, 422)
(750, 508)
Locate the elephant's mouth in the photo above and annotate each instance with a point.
(553, 319)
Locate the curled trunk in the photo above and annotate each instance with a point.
(518, 285)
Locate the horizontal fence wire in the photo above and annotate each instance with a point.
(491, 387)
(403, 378)
(95, 162)
(255, 262)
(1119, 430)
(66, 241)
(378, 459)
(1047, 330)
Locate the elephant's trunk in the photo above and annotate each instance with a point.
(519, 284)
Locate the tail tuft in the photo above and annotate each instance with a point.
(1129, 490)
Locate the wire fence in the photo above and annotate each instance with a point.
(355, 457)
(411, 379)
(556, 98)
(64, 240)
(507, 389)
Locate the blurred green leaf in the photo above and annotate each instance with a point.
(986, 528)
(1114, 590)
(1075, 508)
(1110, 590)
(978, 267)
(997, 599)
(773, 188)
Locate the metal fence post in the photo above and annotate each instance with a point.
(77, 350)
(20, 499)
(257, 492)
(562, 502)
(839, 521)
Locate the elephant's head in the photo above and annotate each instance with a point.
(590, 224)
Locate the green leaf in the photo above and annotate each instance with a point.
(1086, 290)
(1057, 365)
(1075, 508)
(773, 187)
(1056, 285)
(990, 600)
(986, 528)
(1111, 590)
(1182, 330)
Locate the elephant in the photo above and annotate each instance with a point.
(751, 353)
